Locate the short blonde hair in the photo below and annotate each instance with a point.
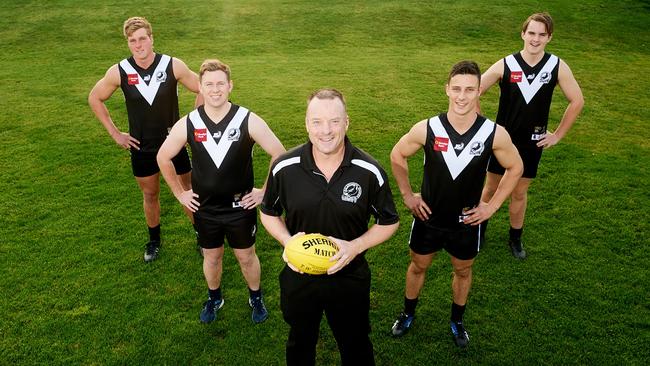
(133, 24)
(214, 65)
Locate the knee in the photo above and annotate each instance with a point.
(463, 273)
(519, 195)
(418, 268)
(247, 260)
(150, 195)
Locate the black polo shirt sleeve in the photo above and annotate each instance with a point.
(271, 202)
(382, 205)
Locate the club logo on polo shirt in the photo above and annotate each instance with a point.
(233, 134)
(477, 148)
(161, 76)
(351, 192)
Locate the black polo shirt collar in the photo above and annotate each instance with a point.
(307, 156)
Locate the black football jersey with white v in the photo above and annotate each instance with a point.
(222, 164)
(151, 97)
(526, 94)
(454, 169)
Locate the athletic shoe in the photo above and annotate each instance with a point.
(402, 324)
(259, 313)
(517, 249)
(151, 251)
(461, 338)
(210, 309)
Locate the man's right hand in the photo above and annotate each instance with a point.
(126, 141)
(417, 206)
(188, 199)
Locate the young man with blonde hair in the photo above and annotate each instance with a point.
(527, 80)
(222, 199)
(149, 83)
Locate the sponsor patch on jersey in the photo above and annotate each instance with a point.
(516, 76)
(201, 134)
(132, 79)
(351, 192)
(440, 143)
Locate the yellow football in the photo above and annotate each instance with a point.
(311, 253)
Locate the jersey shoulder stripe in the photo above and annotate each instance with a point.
(285, 163)
(370, 167)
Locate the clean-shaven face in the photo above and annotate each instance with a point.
(463, 93)
(215, 88)
(140, 44)
(327, 124)
(535, 37)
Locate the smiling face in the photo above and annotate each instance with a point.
(327, 123)
(463, 93)
(215, 88)
(140, 44)
(535, 37)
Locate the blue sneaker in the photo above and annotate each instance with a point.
(402, 324)
(461, 338)
(210, 309)
(259, 309)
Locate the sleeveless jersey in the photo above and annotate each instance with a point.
(222, 164)
(454, 169)
(151, 100)
(525, 100)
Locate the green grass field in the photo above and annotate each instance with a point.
(76, 291)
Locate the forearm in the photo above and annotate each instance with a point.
(401, 173)
(169, 174)
(276, 227)
(376, 235)
(102, 114)
(504, 189)
(568, 119)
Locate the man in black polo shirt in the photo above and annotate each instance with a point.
(330, 187)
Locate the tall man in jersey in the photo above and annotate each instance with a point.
(329, 186)
(527, 79)
(223, 199)
(448, 212)
(149, 83)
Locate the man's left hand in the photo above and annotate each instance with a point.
(253, 199)
(348, 250)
